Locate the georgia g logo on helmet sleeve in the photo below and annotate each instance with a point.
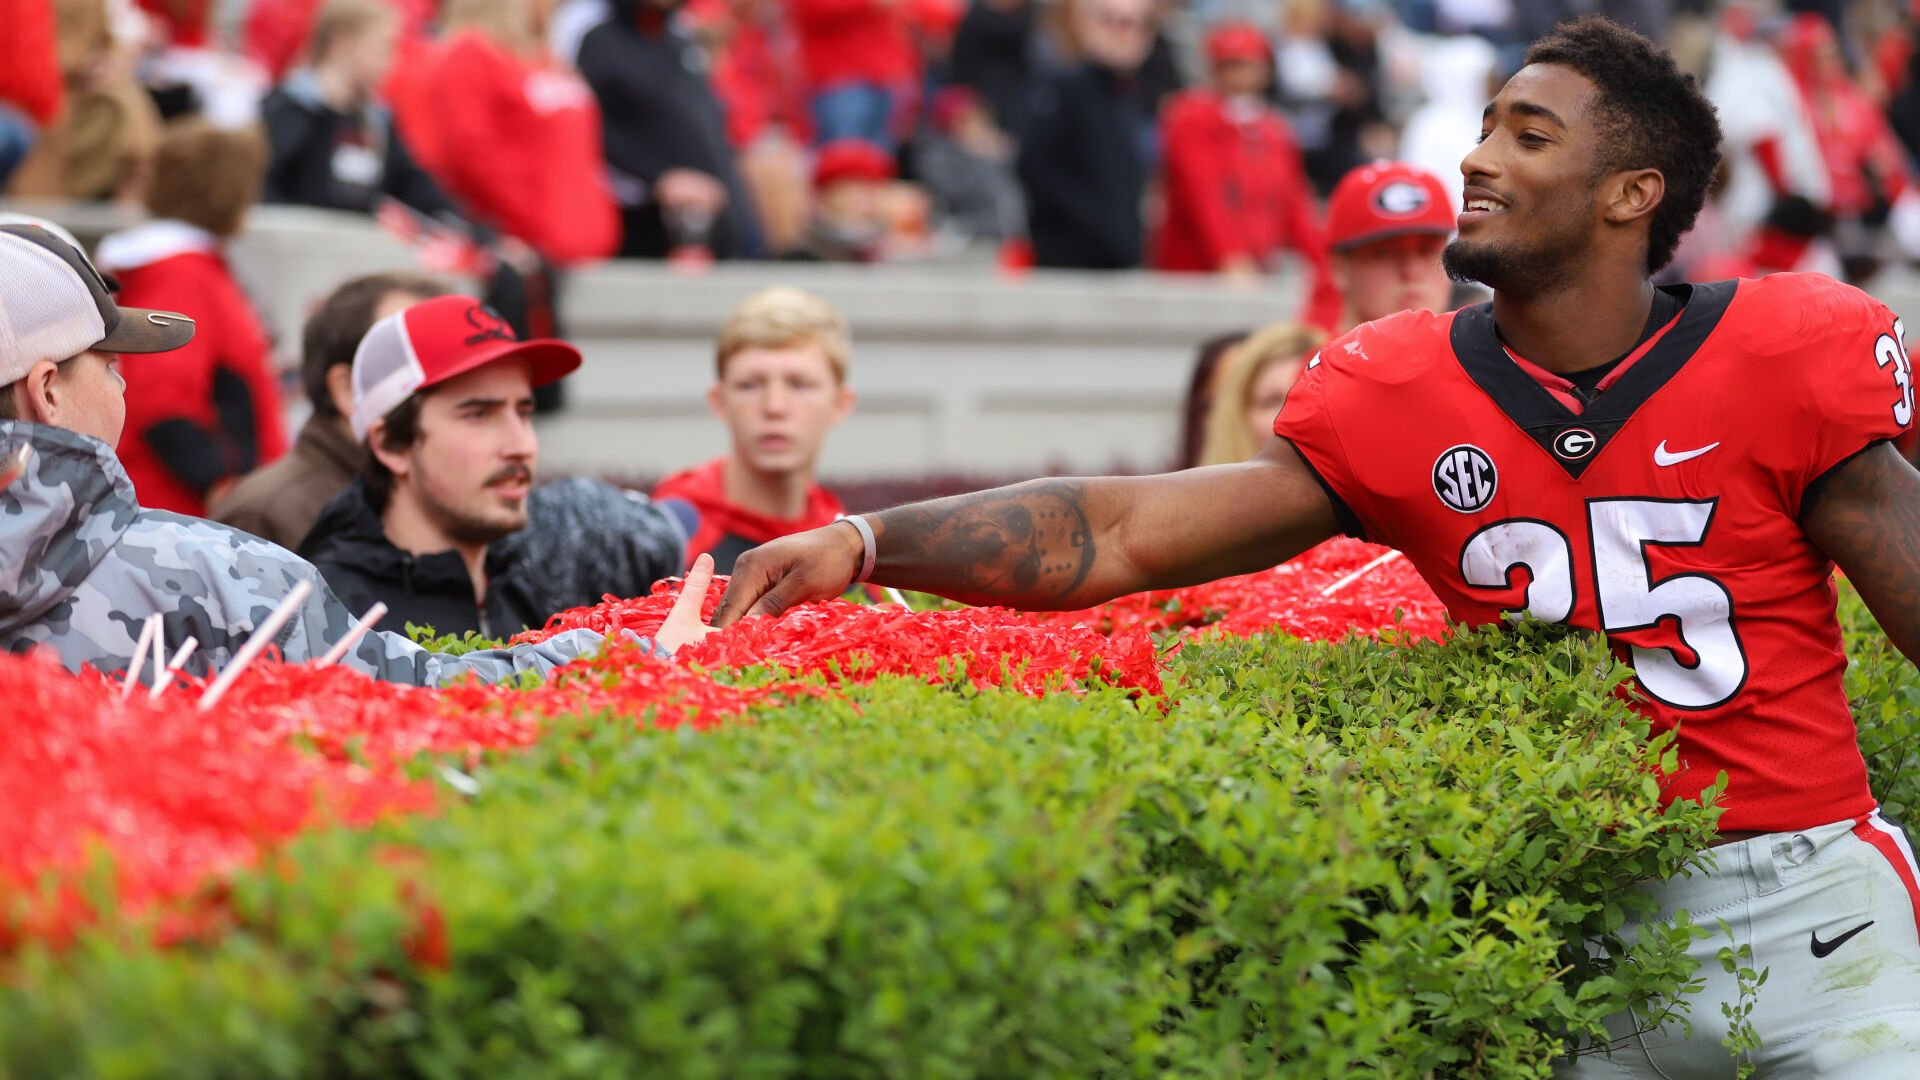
(1400, 199)
(1464, 478)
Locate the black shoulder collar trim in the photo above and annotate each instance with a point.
(1576, 440)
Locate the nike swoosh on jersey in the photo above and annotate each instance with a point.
(1822, 948)
(1662, 457)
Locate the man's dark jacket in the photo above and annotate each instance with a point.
(1083, 168)
(658, 112)
(584, 539)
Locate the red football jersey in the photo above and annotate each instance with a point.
(1665, 514)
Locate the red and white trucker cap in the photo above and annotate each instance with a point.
(54, 306)
(1385, 199)
(435, 340)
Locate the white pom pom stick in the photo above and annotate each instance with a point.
(1360, 573)
(165, 683)
(897, 596)
(354, 633)
(140, 648)
(14, 465)
(256, 643)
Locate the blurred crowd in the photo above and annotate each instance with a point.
(516, 137)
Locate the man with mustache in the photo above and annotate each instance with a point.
(435, 527)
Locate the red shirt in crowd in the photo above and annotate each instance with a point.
(516, 143)
(1234, 185)
(171, 266)
(181, 22)
(277, 31)
(727, 530)
(855, 41)
(1865, 162)
(30, 78)
(756, 68)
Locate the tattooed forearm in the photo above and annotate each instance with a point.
(1031, 545)
(1865, 515)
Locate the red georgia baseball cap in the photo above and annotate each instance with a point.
(852, 159)
(1386, 199)
(1237, 41)
(435, 340)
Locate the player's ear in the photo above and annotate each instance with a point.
(1634, 193)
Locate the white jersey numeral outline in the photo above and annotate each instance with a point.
(1620, 532)
(1891, 350)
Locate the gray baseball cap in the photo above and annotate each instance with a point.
(54, 305)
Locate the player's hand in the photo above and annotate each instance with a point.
(815, 565)
(683, 624)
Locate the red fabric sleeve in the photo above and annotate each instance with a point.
(480, 96)
(172, 384)
(30, 78)
(546, 185)
(812, 13)
(179, 384)
(276, 33)
(1307, 420)
(1196, 175)
(1849, 381)
(1864, 396)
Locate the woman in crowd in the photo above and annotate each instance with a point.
(1254, 381)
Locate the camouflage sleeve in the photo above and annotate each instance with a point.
(253, 575)
(589, 538)
(394, 658)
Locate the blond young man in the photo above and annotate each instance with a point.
(781, 385)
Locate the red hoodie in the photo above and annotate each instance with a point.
(518, 144)
(727, 530)
(30, 78)
(1235, 185)
(172, 266)
(756, 70)
(855, 41)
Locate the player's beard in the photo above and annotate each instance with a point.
(1531, 269)
(1534, 265)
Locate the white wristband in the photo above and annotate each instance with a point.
(866, 539)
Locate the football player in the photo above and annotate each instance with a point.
(1680, 468)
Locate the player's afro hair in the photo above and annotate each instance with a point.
(1650, 114)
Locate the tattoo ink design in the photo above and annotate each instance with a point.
(1031, 543)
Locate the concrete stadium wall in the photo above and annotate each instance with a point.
(957, 368)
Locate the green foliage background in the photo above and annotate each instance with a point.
(1308, 861)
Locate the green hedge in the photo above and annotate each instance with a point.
(1308, 861)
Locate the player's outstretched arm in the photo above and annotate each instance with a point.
(1866, 517)
(1054, 544)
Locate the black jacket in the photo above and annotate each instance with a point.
(584, 539)
(343, 161)
(993, 53)
(658, 112)
(1083, 168)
